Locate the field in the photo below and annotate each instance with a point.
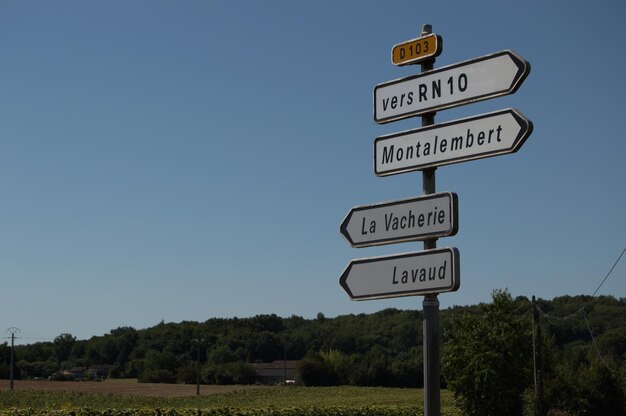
(122, 387)
(126, 397)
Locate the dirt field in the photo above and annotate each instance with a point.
(123, 387)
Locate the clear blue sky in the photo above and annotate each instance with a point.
(165, 160)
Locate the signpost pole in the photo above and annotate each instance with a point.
(430, 303)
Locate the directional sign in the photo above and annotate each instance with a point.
(486, 135)
(413, 219)
(450, 86)
(409, 274)
(416, 50)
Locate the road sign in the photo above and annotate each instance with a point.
(420, 218)
(409, 274)
(416, 50)
(478, 79)
(478, 137)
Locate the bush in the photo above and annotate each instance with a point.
(487, 361)
(229, 373)
(63, 377)
(585, 390)
(159, 367)
(314, 370)
(134, 368)
(187, 374)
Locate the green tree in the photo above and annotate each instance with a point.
(407, 368)
(63, 345)
(229, 373)
(487, 359)
(315, 370)
(159, 367)
(5, 353)
(584, 390)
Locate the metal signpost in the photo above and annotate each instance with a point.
(433, 215)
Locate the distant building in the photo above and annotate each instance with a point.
(95, 372)
(100, 372)
(277, 372)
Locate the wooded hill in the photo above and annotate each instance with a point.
(379, 349)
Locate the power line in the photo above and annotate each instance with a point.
(595, 344)
(593, 339)
(552, 318)
(582, 310)
(31, 338)
(562, 318)
(609, 273)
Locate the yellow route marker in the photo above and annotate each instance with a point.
(416, 50)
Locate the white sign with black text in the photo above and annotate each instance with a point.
(478, 79)
(477, 137)
(409, 274)
(412, 219)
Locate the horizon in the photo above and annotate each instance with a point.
(312, 318)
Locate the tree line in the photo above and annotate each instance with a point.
(486, 346)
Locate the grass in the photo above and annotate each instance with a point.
(277, 398)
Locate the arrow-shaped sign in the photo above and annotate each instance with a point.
(420, 218)
(409, 274)
(478, 79)
(486, 135)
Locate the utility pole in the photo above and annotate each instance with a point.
(199, 341)
(13, 330)
(284, 365)
(537, 364)
(283, 344)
